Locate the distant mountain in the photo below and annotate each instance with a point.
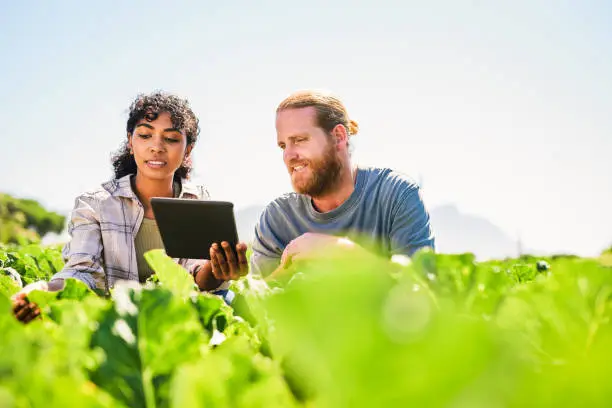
(246, 218)
(456, 232)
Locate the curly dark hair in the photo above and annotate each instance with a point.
(149, 107)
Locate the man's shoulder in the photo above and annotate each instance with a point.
(282, 210)
(390, 178)
(283, 203)
(399, 194)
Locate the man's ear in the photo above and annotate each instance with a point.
(340, 133)
(188, 150)
(129, 142)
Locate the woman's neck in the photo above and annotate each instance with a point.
(145, 189)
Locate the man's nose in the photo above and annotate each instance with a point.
(289, 154)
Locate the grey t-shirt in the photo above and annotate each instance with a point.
(385, 213)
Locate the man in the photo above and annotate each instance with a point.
(335, 203)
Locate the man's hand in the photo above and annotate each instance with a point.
(311, 245)
(228, 267)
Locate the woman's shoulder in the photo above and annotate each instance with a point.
(116, 187)
(194, 191)
(121, 187)
(105, 191)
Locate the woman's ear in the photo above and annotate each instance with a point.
(188, 150)
(129, 143)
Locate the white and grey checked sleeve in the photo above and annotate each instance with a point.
(83, 253)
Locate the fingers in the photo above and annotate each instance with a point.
(33, 312)
(280, 274)
(214, 265)
(286, 256)
(231, 260)
(219, 265)
(18, 296)
(237, 261)
(243, 262)
(286, 260)
(290, 251)
(25, 311)
(19, 303)
(227, 264)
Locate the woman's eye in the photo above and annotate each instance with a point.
(171, 140)
(143, 136)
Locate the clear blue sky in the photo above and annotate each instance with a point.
(503, 108)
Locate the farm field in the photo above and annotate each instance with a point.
(437, 331)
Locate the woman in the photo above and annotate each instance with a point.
(113, 226)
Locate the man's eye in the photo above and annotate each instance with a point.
(143, 136)
(171, 140)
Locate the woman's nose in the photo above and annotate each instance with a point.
(156, 146)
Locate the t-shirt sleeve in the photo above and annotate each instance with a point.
(267, 247)
(411, 227)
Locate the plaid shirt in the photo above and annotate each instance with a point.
(103, 225)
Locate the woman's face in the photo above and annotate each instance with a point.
(158, 148)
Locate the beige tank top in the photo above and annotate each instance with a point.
(147, 238)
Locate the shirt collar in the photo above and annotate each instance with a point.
(122, 187)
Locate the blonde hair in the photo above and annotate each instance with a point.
(330, 109)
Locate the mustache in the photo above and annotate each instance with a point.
(297, 163)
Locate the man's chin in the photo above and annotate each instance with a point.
(300, 188)
(299, 183)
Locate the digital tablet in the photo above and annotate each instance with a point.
(189, 227)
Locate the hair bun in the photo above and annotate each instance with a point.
(353, 127)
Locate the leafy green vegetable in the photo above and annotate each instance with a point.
(170, 274)
(348, 329)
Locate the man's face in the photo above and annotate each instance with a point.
(309, 153)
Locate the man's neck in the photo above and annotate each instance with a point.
(343, 190)
(145, 189)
